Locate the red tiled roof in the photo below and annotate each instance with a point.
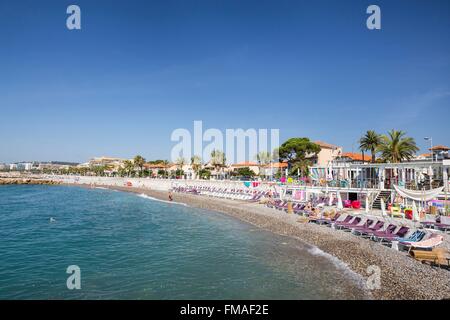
(245, 164)
(439, 147)
(277, 165)
(356, 156)
(326, 145)
(425, 155)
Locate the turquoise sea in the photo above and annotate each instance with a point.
(131, 247)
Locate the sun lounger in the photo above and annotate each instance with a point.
(427, 243)
(379, 235)
(414, 237)
(437, 256)
(395, 236)
(444, 224)
(365, 225)
(376, 226)
(430, 221)
(355, 221)
(357, 225)
(347, 219)
(326, 220)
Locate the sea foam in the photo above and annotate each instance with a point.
(340, 265)
(143, 195)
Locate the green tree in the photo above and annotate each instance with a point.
(128, 167)
(371, 141)
(166, 165)
(196, 163)
(263, 157)
(139, 162)
(204, 174)
(297, 152)
(99, 170)
(217, 159)
(395, 147)
(180, 162)
(244, 172)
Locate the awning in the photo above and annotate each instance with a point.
(418, 195)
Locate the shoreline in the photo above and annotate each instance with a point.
(401, 276)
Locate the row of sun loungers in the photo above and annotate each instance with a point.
(226, 193)
(380, 231)
(413, 240)
(421, 244)
(433, 222)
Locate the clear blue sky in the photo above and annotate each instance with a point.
(139, 69)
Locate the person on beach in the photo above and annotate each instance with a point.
(170, 196)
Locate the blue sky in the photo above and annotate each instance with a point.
(140, 69)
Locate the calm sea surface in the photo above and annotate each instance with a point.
(131, 247)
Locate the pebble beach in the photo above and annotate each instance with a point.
(401, 276)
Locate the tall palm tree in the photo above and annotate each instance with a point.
(128, 167)
(139, 162)
(217, 159)
(371, 141)
(395, 147)
(180, 162)
(263, 157)
(196, 163)
(166, 166)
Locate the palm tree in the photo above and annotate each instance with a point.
(371, 141)
(217, 159)
(128, 166)
(139, 162)
(395, 147)
(166, 165)
(180, 162)
(263, 157)
(196, 163)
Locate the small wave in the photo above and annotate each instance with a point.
(103, 188)
(143, 195)
(339, 264)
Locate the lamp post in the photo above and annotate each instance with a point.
(431, 147)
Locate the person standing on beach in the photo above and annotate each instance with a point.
(170, 196)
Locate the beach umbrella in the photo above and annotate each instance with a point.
(445, 178)
(416, 216)
(383, 207)
(340, 206)
(367, 204)
(430, 171)
(330, 173)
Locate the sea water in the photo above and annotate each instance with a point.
(132, 247)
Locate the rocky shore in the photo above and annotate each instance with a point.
(401, 276)
(8, 181)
